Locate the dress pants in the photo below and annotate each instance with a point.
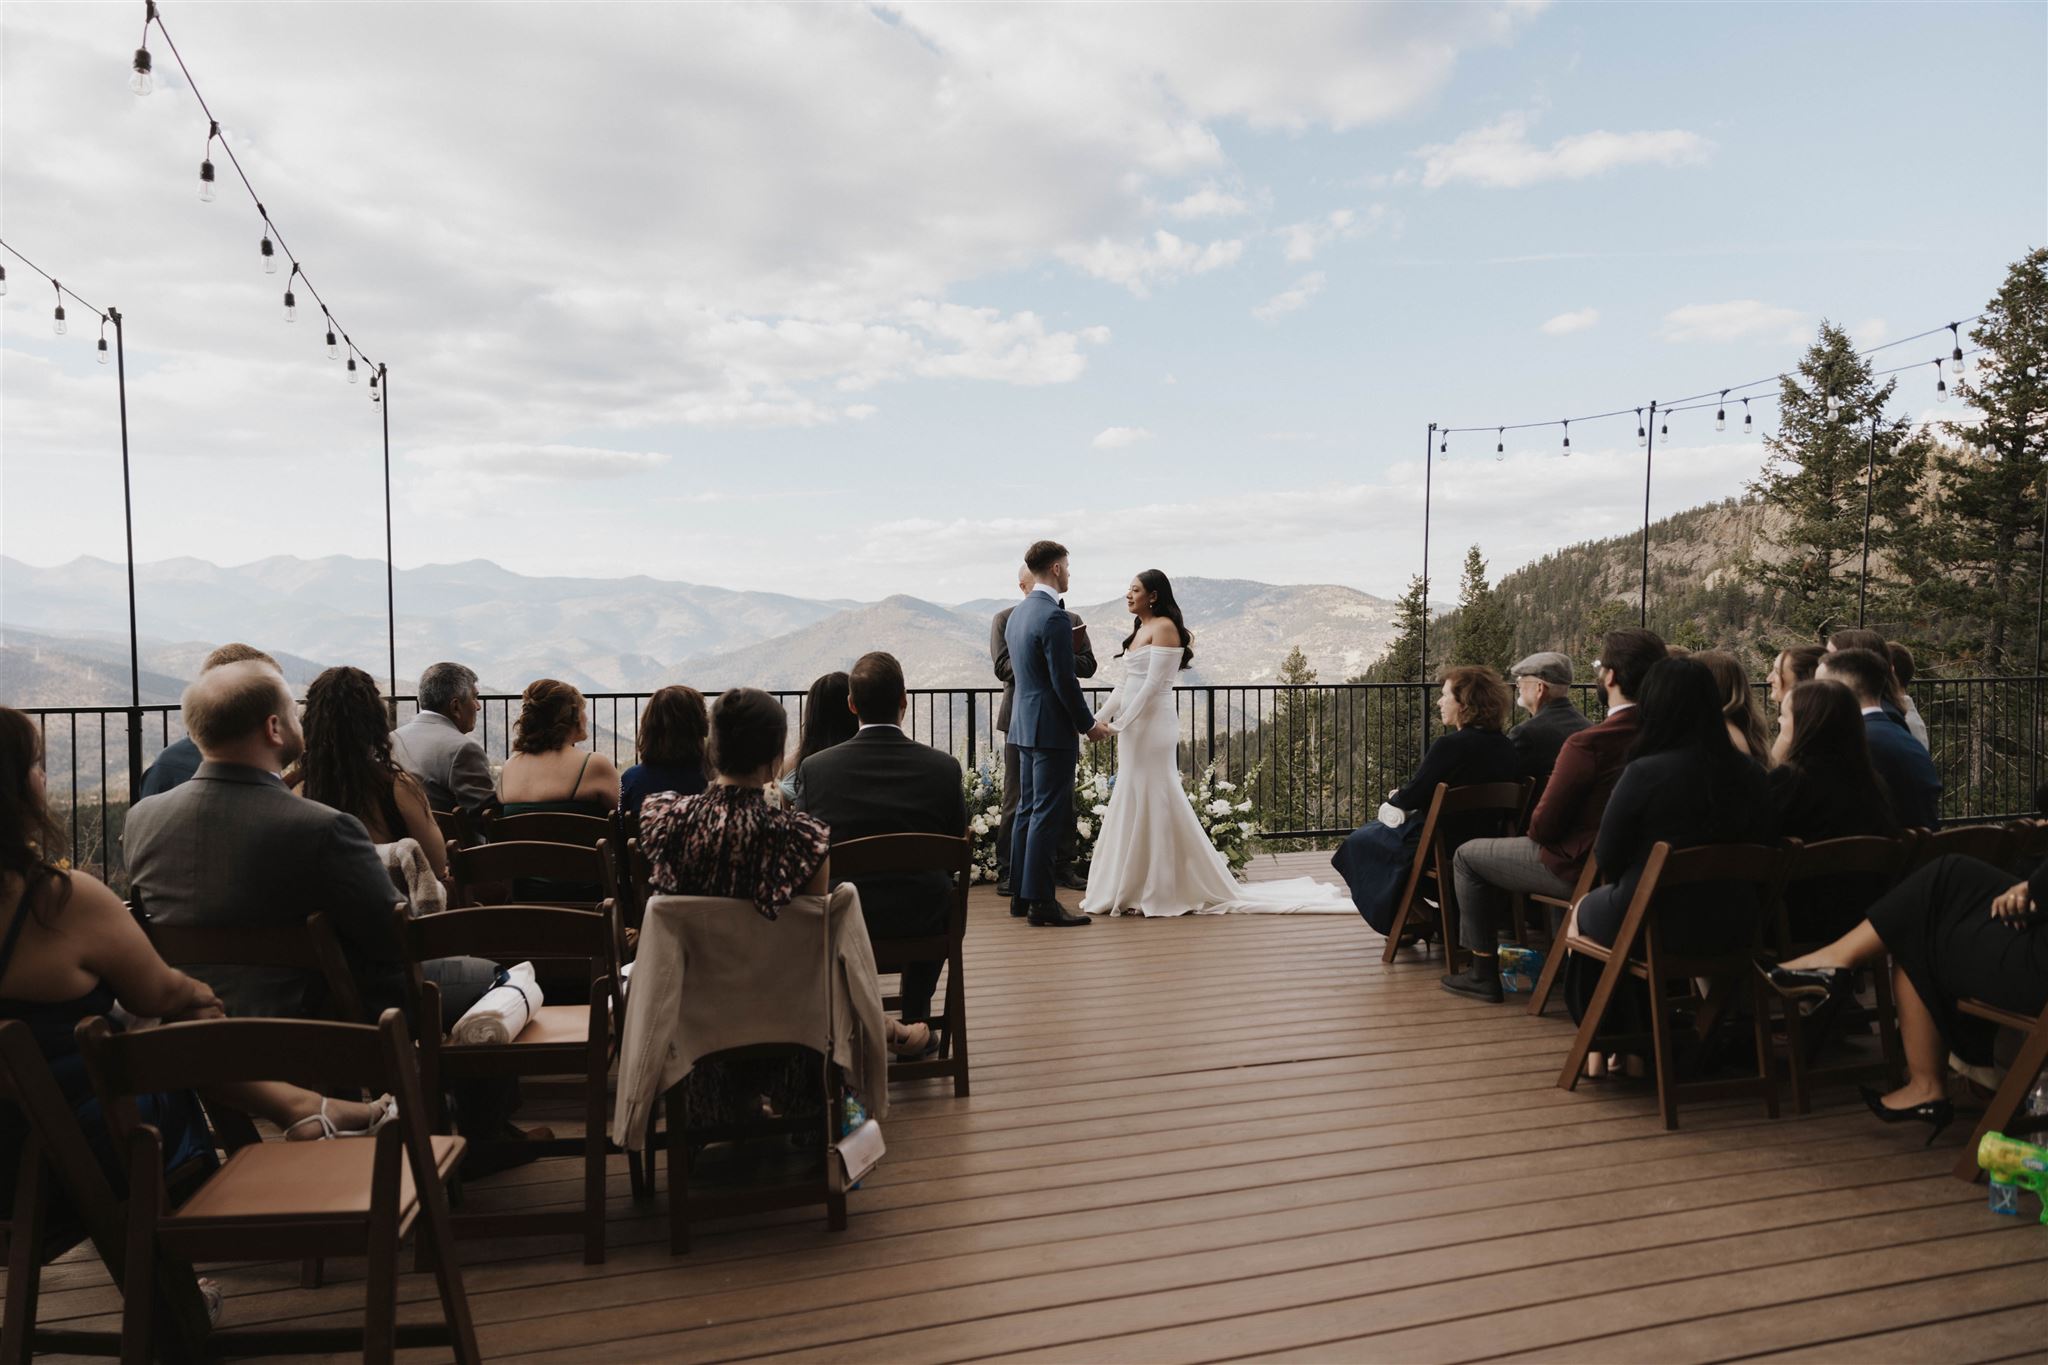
(1045, 803)
(1070, 836)
(1485, 871)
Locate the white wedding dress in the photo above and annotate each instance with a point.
(1152, 856)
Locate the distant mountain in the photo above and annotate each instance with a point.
(63, 630)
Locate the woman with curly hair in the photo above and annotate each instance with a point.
(348, 765)
(546, 771)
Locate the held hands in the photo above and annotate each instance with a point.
(2015, 903)
(1101, 731)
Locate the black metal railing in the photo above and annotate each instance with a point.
(1315, 759)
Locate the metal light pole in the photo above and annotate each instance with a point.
(1422, 655)
(1649, 460)
(390, 574)
(1869, 477)
(128, 526)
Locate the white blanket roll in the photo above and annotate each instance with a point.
(503, 1012)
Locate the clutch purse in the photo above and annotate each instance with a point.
(854, 1155)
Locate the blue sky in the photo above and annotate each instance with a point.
(845, 302)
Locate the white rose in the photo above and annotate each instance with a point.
(1243, 806)
(1084, 829)
(1248, 828)
(1226, 786)
(1219, 807)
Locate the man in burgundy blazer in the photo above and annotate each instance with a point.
(1566, 821)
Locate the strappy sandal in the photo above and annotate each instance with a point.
(916, 1040)
(386, 1107)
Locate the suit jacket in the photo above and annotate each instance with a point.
(234, 847)
(884, 782)
(173, 767)
(999, 652)
(1538, 738)
(1049, 710)
(448, 763)
(1567, 820)
(1907, 769)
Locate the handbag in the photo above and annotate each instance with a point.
(851, 1154)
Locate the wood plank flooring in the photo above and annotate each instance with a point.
(1240, 1137)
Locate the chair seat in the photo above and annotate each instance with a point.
(556, 1026)
(304, 1181)
(2003, 1017)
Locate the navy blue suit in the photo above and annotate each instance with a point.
(1909, 774)
(1047, 719)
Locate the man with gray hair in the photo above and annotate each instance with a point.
(1543, 685)
(434, 746)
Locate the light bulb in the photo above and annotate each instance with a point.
(1443, 446)
(376, 394)
(1720, 419)
(3, 281)
(1940, 391)
(1567, 439)
(141, 82)
(206, 182)
(1955, 361)
(1664, 427)
(333, 347)
(291, 307)
(351, 369)
(1642, 437)
(57, 323)
(1500, 445)
(1747, 425)
(269, 256)
(103, 351)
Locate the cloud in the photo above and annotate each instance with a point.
(1210, 201)
(1500, 155)
(1292, 299)
(1564, 324)
(1870, 331)
(1116, 438)
(510, 460)
(1289, 437)
(1301, 241)
(1735, 320)
(1140, 264)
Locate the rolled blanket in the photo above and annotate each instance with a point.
(410, 872)
(503, 1012)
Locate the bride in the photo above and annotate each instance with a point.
(1152, 856)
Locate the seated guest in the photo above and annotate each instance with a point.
(435, 747)
(1374, 861)
(1792, 667)
(347, 765)
(673, 726)
(1909, 774)
(729, 842)
(1686, 785)
(1871, 640)
(1823, 787)
(1543, 686)
(1550, 859)
(180, 758)
(1738, 703)
(547, 772)
(71, 951)
(1956, 929)
(884, 782)
(1902, 675)
(828, 720)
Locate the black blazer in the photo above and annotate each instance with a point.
(1538, 739)
(884, 782)
(1462, 757)
(1908, 772)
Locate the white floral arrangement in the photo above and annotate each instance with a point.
(984, 816)
(1226, 817)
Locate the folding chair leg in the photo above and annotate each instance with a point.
(1795, 1058)
(835, 1212)
(435, 1230)
(380, 1292)
(24, 1258)
(138, 1280)
(678, 1177)
(1758, 1009)
(594, 1152)
(2019, 1079)
(956, 1023)
(1552, 964)
(1400, 926)
(1660, 1050)
(1888, 1024)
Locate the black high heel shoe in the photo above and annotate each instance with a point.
(1811, 988)
(1941, 1113)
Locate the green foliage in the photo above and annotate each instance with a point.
(1482, 634)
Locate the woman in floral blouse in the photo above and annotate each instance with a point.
(730, 842)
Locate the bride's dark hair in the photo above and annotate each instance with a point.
(1163, 604)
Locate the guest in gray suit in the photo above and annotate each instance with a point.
(1070, 837)
(435, 747)
(180, 758)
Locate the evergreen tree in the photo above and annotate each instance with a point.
(1483, 635)
(1814, 473)
(1403, 660)
(1985, 544)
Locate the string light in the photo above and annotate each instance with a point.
(57, 319)
(3, 281)
(333, 349)
(206, 166)
(269, 254)
(1567, 436)
(1747, 427)
(1664, 427)
(351, 368)
(376, 394)
(291, 305)
(1940, 384)
(1955, 354)
(1642, 437)
(1721, 413)
(103, 341)
(141, 81)
(1500, 443)
(1443, 447)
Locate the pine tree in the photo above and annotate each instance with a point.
(1986, 542)
(1814, 472)
(1483, 635)
(1403, 660)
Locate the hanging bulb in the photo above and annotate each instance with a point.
(57, 318)
(1664, 428)
(1567, 440)
(1940, 384)
(1642, 437)
(3, 281)
(1500, 444)
(376, 394)
(1747, 426)
(1443, 445)
(104, 357)
(206, 181)
(269, 255)
(351, 369)
(1721, 413)
(1955, 354)
(141, 82)
(333, 347)
(291, 307)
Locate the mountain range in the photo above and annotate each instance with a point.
(63, 629)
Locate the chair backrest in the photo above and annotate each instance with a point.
(1875, 855)
(1758, 865)
(53, 1131)
(1507, 798)
(511, 933)
(498, 863)
(1459, 811)
(1987, 843)
(217, 1052)
(2029, 843)
(549, 827)
(881, 855)
(312, 948)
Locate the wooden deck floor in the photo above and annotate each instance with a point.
(1238, 1137)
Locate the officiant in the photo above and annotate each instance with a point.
(1374, 861)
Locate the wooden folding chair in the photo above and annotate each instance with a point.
(285, 1199)
(549, 827)
(61, 1198)
(2012, 1091)
(1880, 859)
(1710, 865)
(892, 854)
(456, 826)
(1986, 843)
(312, 949)
(476, 871)
(560, 1040)
(2029, 847)
(1467, 810)
(1560, 946)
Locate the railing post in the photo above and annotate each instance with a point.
(1210, 729)
(973, 722)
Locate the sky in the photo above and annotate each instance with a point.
(855, 300)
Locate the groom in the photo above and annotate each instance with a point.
(1046, 722)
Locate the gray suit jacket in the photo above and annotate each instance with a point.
(448, 763)
(999, 651)
(234, 847)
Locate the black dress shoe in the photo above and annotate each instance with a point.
(1475, 983)
(1940, 1113)
(1070, 879)
(1019, 907)
(1003, 887)
(1055, 915)
(1811, 988)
